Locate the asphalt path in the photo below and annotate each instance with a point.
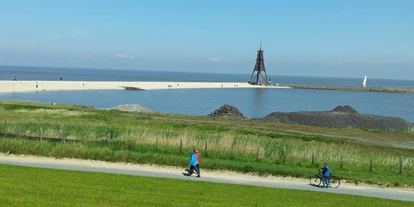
(388, 193)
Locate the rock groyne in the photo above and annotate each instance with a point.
(354, 88)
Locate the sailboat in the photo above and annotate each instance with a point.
(364, 84)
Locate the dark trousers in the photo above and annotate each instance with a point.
(191, 171)
(325, 181)
(197, 169)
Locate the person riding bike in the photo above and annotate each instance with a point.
(326, 173)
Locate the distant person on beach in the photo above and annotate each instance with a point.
(15, 79)
(326, 173)
(193, 163)
(198, 163)
(60, 78)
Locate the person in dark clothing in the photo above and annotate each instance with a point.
(326, 173)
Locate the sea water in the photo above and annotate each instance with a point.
(252, 102)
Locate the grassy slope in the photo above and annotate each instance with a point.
(25, 186)
(133, 138)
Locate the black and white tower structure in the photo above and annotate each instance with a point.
(259, 76)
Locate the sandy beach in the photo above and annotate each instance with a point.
(33, 86)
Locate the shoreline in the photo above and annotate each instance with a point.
(34, 86)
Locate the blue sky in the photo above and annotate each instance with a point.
(300, 37)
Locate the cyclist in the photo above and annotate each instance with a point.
(326, 173)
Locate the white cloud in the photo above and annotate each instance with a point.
(125, 56)
(215, 59)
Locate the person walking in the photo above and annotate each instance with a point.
(193, 163)
(326, 173)
(198, 163)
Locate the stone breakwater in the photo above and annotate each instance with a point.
(340, 117)
(353, 88)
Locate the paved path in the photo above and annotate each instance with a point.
(209, 177)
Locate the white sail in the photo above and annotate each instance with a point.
(364, 84)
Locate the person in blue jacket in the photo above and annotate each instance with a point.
(326, 173)
(193, 163)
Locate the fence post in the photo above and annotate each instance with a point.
(284, 153)
(257, 151)
(132, 140)
(232, 149)
(342, 155)
(156, 143)
(401, 164)
(370, 163)
(20, 132)
(109, 139)
(313, 157)
(181, 145)
(63, 136)
(41, 134)
(84, 137)
(206, 147)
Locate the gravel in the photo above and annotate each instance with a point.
(340, 117)
(131, 108)
(228, 111)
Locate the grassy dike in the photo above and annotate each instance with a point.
(25, 186)
(283, 150)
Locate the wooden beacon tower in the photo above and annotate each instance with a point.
(259, 76)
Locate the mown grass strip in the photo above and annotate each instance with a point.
(27, 186)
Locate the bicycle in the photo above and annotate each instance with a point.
(316, 180)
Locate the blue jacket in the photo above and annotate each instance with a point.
(326, 172)
(193, 161)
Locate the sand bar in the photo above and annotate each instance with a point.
(33, 86)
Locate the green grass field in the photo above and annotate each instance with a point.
(26, 186)
(283, 150)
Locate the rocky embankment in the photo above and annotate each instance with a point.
(229, 112)
(340, 117)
